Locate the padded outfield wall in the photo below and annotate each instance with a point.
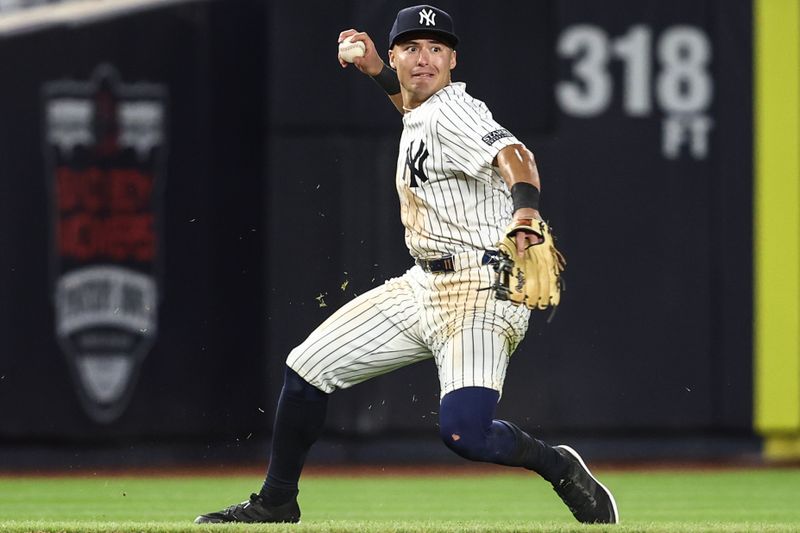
(187, 190)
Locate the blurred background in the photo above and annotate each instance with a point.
(188, 187)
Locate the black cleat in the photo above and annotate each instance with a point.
(587, 498)
(253, 511)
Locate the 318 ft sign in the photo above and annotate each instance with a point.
(681, 84)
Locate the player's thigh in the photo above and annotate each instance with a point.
(371, 335)
(476, 353)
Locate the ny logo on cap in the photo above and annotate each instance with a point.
(427, 17)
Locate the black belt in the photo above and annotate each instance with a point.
(440, 264)
(445, 263)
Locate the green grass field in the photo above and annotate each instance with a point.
(693, 501)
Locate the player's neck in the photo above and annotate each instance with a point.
(412, 100)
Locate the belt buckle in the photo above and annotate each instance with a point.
(490, 257)
(439, 264)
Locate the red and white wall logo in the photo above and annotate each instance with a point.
(105, 146)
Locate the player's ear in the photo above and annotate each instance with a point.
(453, 60)
(391, 59)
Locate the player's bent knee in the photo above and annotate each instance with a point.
(465, 418)
(467, 440)
(463, 433)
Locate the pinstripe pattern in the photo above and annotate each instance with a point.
(414, 317)
(465, 204)
(452, 201)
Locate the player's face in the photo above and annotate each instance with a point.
(423, 67)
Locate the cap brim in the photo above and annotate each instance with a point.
(450, 39)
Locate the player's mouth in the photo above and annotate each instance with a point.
(423, 75)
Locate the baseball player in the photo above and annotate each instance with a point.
(465, 184)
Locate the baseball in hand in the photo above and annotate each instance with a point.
(349, 50)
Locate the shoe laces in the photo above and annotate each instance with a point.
(570, 490)
(585, 492)
(254, 499)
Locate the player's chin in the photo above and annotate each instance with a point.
(426, 85)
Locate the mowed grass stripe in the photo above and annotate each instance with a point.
(395, 527)
(747, 500)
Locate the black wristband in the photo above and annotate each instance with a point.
(387, 79)
(524, 195)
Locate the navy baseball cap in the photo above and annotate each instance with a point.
(423, 19)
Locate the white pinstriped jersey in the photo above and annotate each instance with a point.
(453, 201)
(451, 197)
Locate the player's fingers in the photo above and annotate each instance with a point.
(361, 36)
(342, 36)
(346, 33)
(368, 65)
(522, 243)
(369, 46)
(359, 63)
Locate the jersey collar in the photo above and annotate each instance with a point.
(453, 89)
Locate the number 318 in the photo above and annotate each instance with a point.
(683, 84)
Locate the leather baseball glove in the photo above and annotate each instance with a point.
(533, 280)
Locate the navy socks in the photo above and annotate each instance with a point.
(298, 423)
(467, 427)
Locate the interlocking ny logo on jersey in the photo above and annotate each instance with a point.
(415, 164)
(427, 16)
(106, 147)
